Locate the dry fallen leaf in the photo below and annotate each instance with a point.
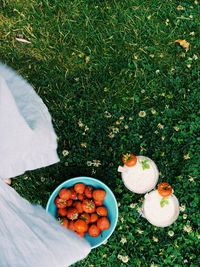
(183, 43)
(179, 7)
(87, 59)
(23, 40)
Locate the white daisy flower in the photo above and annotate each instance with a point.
(182, 208)
(65, 153)
(123, 240)
(142, 114)
(187, 228)
(125, 259)
(170, 233)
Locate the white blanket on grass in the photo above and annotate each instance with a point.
(29, 236)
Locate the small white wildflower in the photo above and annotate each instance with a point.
(123, 240)
(114, 129)
(122, 219)
(167, 22)
(189, 66)
(162, 154)
(96, 163)
(162, 94)
(170, 233)
(111, 135)
(155, 239)
(119, 256)
(130, 118)
(107, 114)
(192, 33)
(176, 128)
(139, 231)
(152, 55)
(118, 122)
(140, 136)
(182, 208)
(142, 91)
(172, 69)
(89, 163)
(184, 216)
(160, 126)
(198, 236)
(187, 156)
(153, 111)
(191, 16)
(118, 204)
(104, 256)
(65, 153)
(80, 124)
(126, 127)
(139, 210)
(142, 149)
(187, 228)
(84, 145)
(157, 71)
(191, 179)
(153, 265)
(76, 79)
(42, 179)
(195, 57)
(142, 114)
(86, 128)
(185, 261)
(156, 132)
(93, 171)
(125, 259)
(133, 205)
(163, 137)
(121, 118)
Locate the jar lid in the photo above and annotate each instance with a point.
(160, 211)
(142, 177)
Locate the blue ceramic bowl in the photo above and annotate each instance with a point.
(109, 201)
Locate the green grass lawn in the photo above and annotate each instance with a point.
(97, 65)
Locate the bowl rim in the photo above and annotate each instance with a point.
(101, 183)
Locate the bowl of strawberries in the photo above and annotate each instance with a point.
(86, 206)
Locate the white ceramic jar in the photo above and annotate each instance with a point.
(142, 177)
(161, 214)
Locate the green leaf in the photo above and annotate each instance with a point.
(164, 202)
(145, 164)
